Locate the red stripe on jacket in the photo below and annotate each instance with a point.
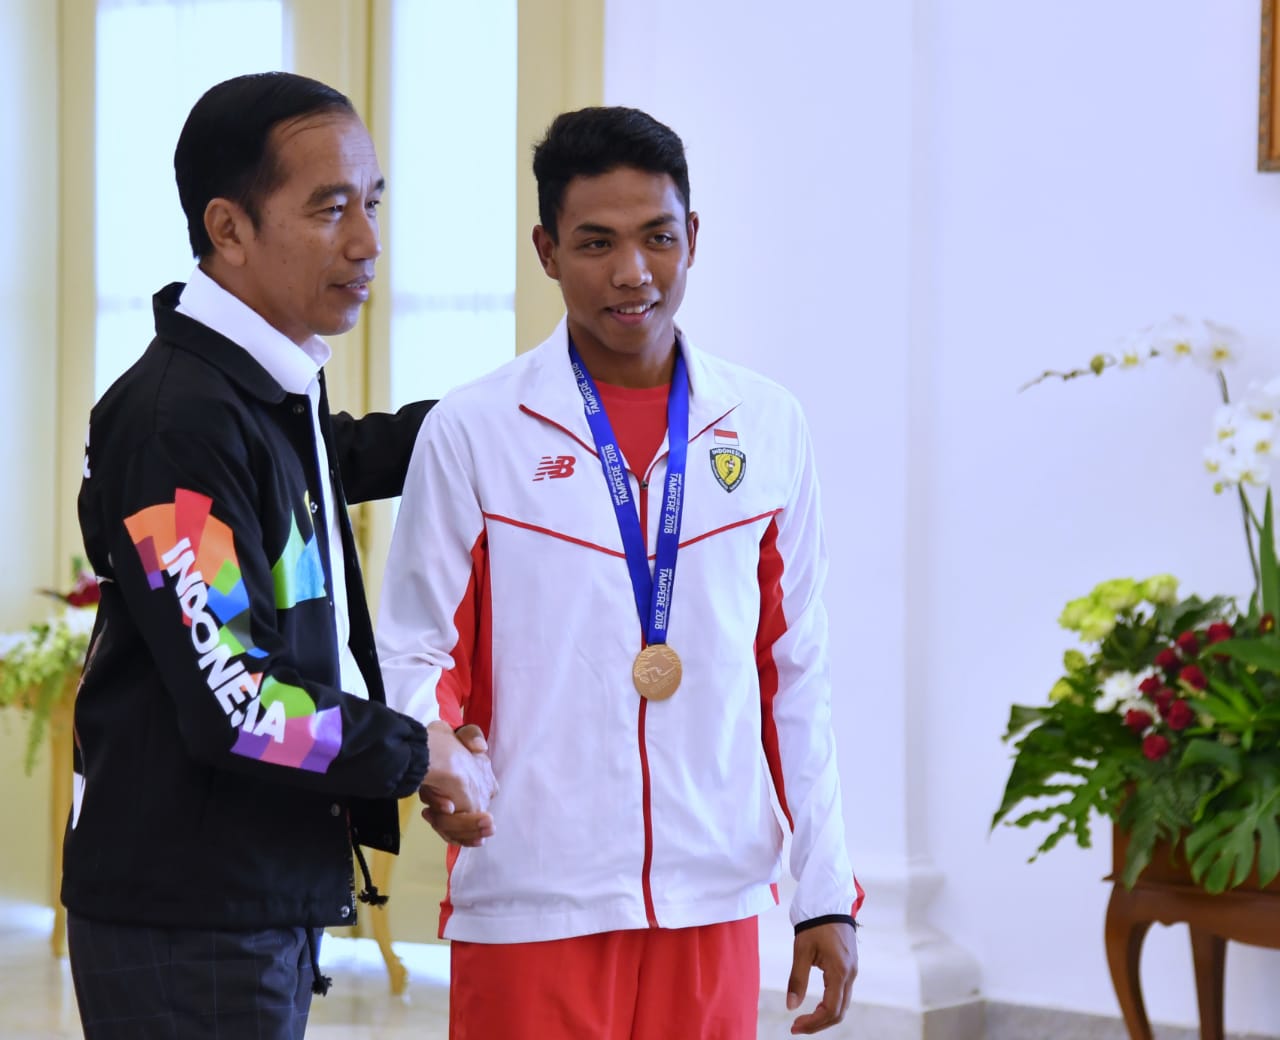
(465, 691)
(770, 629)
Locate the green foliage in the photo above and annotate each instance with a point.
(1203, 775)
(35, 667)
(1224, 848)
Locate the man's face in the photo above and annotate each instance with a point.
(625, 249)
(307, 266)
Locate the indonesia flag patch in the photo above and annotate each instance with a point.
(726, 437)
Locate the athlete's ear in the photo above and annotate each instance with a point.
(691, 229)
(547, 248)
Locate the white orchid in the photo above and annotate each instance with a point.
(1216, 456)
(1221, 347)
(1257, 438)
(1246, 439)
(1206, 342)
(1134, 351)
(1226, 421)
(1245, 467)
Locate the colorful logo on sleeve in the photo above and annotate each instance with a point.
(277, 722)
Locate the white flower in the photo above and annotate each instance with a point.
(1179, 337)
(1263, 401)
(79, 620)
(1206, 342)
(1256, 437)
(1227, 420)
(1245, 467)
(1216, 456)
(1117, 689)
(1134, 351)
(1221, 348)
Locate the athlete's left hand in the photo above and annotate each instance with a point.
(834, 949)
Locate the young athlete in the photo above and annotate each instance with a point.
(609, 557)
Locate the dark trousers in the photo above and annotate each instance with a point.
(145, 983)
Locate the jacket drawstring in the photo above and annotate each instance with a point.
(370, 895)
(319, 983)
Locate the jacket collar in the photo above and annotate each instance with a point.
(184, 333)
(551, 392)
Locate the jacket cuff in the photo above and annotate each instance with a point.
(813, 922)
(416, 769)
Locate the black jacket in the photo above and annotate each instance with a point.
(225, 774)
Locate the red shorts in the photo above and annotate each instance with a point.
(647, 984)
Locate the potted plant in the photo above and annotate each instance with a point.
(39, 668)
(1166, 719)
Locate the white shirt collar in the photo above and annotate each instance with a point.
(294, 367)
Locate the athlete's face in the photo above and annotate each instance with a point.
(625, 245)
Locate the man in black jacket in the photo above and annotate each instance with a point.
(232, 739)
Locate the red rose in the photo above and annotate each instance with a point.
(1155, 746)
(1137, 720)
(1193, 677)
(1150, 684)
(1266, 624)
(1180, 715)
(1218, 632)
(1168, 660)
(1164, 698)
(1189, 644)
(86, 592)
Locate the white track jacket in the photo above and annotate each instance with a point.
(507, 603)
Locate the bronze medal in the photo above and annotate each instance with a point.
(656, 672)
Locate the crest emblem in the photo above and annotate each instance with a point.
(728, 464)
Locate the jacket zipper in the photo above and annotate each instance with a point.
(645, 788)
(646, 885)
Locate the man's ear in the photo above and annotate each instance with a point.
(691, 229)
(229, 228)
(546, 247)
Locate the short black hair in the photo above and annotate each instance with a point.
(224, 149)
(593, 141)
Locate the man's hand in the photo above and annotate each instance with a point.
(459, 828)
(834, 949)
(459, 784)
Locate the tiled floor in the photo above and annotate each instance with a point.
(37, 1001)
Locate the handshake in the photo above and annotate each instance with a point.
(459, 784)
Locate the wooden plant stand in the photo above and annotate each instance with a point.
(1164, 893)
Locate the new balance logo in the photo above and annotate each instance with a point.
(555, 467)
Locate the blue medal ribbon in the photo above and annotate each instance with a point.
(652, 591)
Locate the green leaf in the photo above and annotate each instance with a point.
(1021, 716)
(1268, 851)
(1234, 696)
(1212, 753)
(1222, 849)
(1268, 569)
(1224, 712)
(1256, 652)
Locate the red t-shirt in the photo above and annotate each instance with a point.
(639, 421)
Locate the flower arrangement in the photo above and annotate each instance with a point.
(1167, 720)
(35, 665)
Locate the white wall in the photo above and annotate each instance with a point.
(909, 209)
